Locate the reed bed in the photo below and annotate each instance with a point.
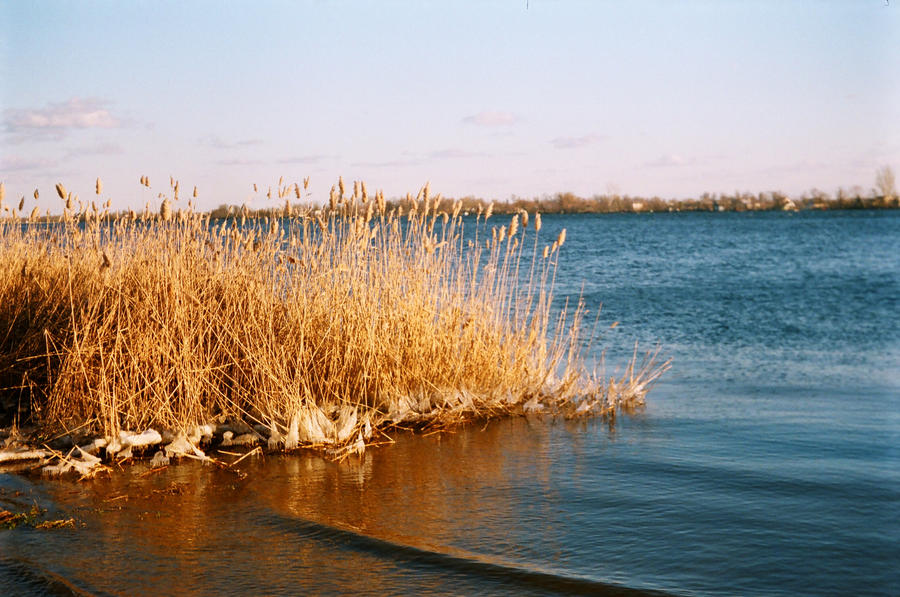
(320, 327)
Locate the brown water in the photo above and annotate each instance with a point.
(437, 514)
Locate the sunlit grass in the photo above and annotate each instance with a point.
(325, 326)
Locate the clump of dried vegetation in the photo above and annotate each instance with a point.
(321, 326)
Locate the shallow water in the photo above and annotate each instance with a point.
(766, 461)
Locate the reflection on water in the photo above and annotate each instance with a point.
(462, 512)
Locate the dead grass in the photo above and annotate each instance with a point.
(325, 326)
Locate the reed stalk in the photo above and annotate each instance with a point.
(323, 326)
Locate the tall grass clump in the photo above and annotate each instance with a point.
(322, 326)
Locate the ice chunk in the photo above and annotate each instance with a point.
(183, 447)
(346, 423)
(292, 439)
(533, 406)
(159, 460)
(149, 437)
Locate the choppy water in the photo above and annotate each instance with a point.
(766, 462)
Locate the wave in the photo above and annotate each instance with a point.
(21, 576)
(452, 560)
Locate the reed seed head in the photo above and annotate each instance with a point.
(561, 239)
(99, 186)
(537, 222)
(513, 226)
(165, 210)
(36, 194)
(61, 191)
(22, 203)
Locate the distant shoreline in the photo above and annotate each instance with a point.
(506, 208)
(568, 203)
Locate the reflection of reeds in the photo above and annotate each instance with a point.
(323, 327)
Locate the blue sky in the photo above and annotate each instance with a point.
(493, 99)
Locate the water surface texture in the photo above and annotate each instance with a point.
(765, 463)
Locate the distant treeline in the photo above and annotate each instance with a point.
(569, 203)
(770, 201)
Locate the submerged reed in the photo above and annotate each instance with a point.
(321, 327)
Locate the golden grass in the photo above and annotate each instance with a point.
(325, 326)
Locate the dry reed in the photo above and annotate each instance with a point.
(322, 327)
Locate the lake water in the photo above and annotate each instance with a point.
(766, 461)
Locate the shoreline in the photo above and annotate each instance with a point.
(315, 329)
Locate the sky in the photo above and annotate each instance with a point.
(497, 99)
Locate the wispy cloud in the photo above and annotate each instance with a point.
(799, 167)
(219, 143)
(239, 162)
(417, 159)
(17, 164)
(56, 120)
(667, 160)
(100, 148)
(453, 154)
(575, 142)
(491, 119)
(249, 161)
(388, 164)
(306, 159)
